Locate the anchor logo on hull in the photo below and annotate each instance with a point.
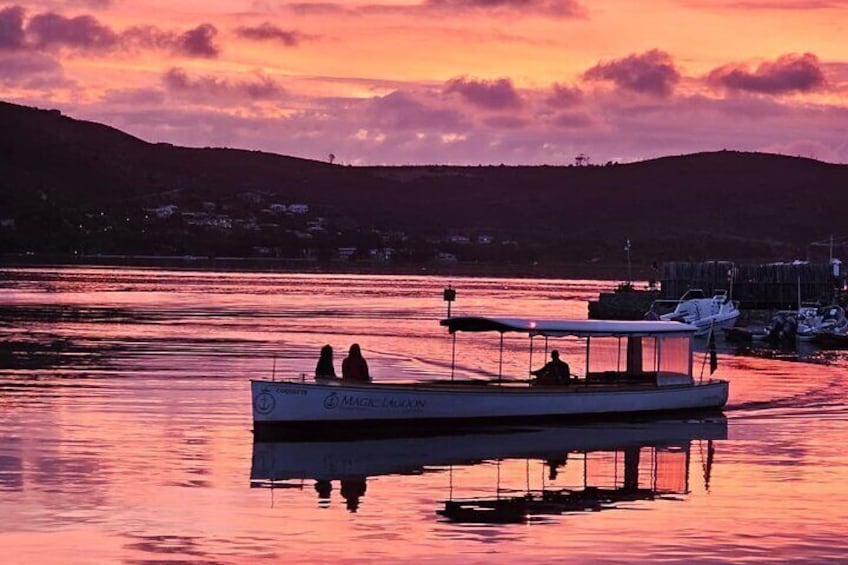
(264, 403)
(332, 401)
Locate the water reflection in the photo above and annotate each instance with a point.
(560, 469)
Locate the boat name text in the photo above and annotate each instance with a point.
(335, 400)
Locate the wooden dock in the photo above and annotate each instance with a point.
(771, 286)
(764, 286)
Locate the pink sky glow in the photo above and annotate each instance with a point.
(443, 81)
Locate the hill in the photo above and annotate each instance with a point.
(70, 186)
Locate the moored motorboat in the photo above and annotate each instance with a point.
(632, 368)
(695, 308)
(824, 326)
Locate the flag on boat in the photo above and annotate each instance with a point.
(713, 355)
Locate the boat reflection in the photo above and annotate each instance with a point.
(583, 467)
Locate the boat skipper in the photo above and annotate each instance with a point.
(555, 372)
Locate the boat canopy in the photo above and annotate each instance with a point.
(559, 328)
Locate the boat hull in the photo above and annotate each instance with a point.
(715, 323)
(304, 408)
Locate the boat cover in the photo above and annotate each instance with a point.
(555, 328)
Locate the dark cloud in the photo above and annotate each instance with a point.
(496, 94)
(148, 37)
(198, 42)
(268, 31)
(85, 32)
(564, 96)
(789, 73)
(652, 72)
(12, 27)
(211, 88)
(52, 30)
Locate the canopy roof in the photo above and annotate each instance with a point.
(558, 328)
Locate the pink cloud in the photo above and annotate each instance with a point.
(12, 27)
(268, 31)
(789, 73)
(400, 110)
(560, 8)
(93, 4)
(564, 96)
(494, 95)
(134, 97)
(27, 67)
(652, 72)
(806, 148)
(510, 8)
(573, 120)
(59, 5)
(399, 130)
(505, 122)
(210, 88)
(749, 5)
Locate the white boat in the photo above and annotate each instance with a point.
(695, 308)
(632, 367)
(827, 320)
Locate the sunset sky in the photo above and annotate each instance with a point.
(443, 81)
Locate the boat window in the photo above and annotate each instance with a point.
(605, 354)
(649, 354)
(675, 355)
(633, 355)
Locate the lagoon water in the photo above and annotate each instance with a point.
(125, 434)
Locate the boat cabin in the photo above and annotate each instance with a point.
(658, 353)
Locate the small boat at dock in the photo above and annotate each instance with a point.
(632, 368)
(824, 326)
(695, 308)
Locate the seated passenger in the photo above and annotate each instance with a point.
(555, 372)
(354, 367)
(324, 369)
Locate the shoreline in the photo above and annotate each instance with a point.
(571, 271)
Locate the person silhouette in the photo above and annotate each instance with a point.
(555, 371)
(324, 368)
(354, 367)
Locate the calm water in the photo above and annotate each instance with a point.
(125, 435)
